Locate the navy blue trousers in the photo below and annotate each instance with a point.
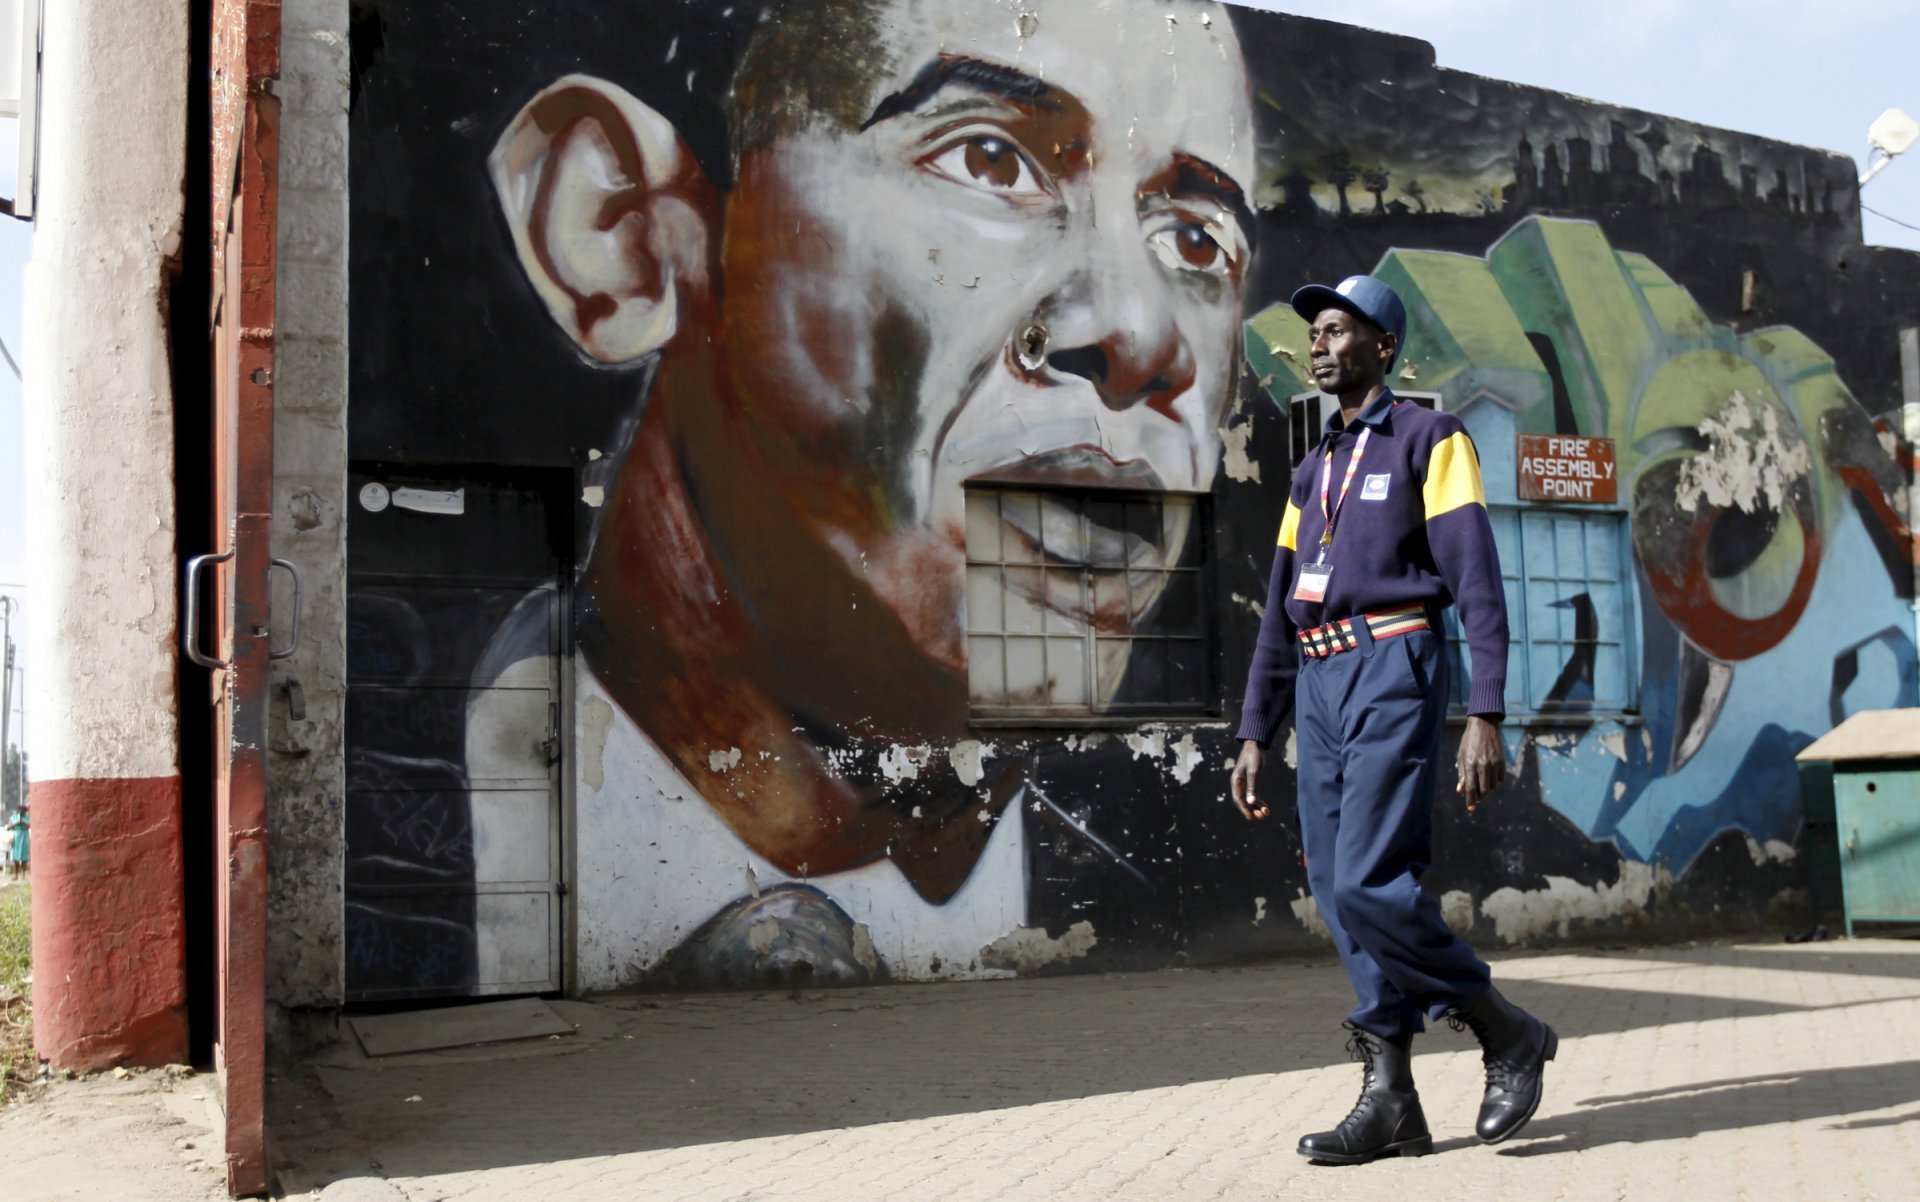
(1368, 724)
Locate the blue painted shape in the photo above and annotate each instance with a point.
(1761, 800)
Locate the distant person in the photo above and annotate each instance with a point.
(17, 845)
(1360, 578)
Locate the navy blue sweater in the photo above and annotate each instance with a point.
(1414, 529)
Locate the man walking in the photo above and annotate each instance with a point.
(1351, 642)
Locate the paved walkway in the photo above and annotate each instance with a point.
(1718, 1072)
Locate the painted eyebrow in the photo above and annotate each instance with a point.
(953, 70)
(1193, 176)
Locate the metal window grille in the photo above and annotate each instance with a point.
(1076, 610)
(1573, 646)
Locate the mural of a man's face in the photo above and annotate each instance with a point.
(1078, 186)
(1075, 179)
(963, 242)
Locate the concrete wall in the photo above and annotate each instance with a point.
(719, 353)
(108, 925)
(306, 753)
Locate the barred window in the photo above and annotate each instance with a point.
(1086, 605)
(1569, 612)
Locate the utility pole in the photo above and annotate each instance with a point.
(110, 977)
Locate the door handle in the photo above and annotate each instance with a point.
(293, 639)
(550, 746)
(190, 605)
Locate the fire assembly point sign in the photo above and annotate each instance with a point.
(1567, 467)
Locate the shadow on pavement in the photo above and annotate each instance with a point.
(667, 1072)
(1684, 1111)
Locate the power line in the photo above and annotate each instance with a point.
(1864, 208)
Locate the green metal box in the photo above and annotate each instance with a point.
(1875, 761)
(1876, 810)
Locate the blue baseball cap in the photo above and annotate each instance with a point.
(1361, 295)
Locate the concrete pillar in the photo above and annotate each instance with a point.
(306, 762)
(108, 923)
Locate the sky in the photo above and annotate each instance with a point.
(1815, 72)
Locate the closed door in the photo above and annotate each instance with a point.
(456, 639)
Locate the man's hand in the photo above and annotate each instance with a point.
(1482, 764)
(1246, 775)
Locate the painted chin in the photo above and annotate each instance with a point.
(920, 575)
(1110, 583)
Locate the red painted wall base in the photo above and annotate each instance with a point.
(109, 927)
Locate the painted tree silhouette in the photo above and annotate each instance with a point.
(1375, 180)
(1416, 193)
(1337, 168)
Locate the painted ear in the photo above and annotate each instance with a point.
(611, 215)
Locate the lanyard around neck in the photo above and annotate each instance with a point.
(1330, 507)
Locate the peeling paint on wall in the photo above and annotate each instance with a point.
(1306, 911)
(1186, 757)
(1519, 915)
(1029, 948)
(969, 758)
(1240, 466)
(899, 763)
(1747, 464)
(1615, 742)
(596, 718)
(721, 761)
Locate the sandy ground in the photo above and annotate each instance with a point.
(148, 1137)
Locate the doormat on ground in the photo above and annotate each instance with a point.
(457, 1026)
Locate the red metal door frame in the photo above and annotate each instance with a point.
(246, 160)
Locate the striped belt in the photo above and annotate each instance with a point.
(1335, 637)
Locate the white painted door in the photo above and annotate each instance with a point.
(456, 637)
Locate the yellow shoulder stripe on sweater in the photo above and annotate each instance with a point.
(1453, 476)
(1290, 526)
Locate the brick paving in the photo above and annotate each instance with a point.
(1693, 1073)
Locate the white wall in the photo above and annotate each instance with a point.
(99, 428)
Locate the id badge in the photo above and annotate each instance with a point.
(1312, 585)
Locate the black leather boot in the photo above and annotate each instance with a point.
(1387, 1120)
(1515, 1047)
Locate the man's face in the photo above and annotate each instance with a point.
(1349, 353)
(1083, 173)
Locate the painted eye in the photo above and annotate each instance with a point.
(991, 163)
(1191, 246)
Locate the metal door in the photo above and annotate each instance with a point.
(455, 641)
(227, 625)
(1877, 811)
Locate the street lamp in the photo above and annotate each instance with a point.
(1892, 133)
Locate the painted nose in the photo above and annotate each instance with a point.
(1114, 329)
(1126, 371)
